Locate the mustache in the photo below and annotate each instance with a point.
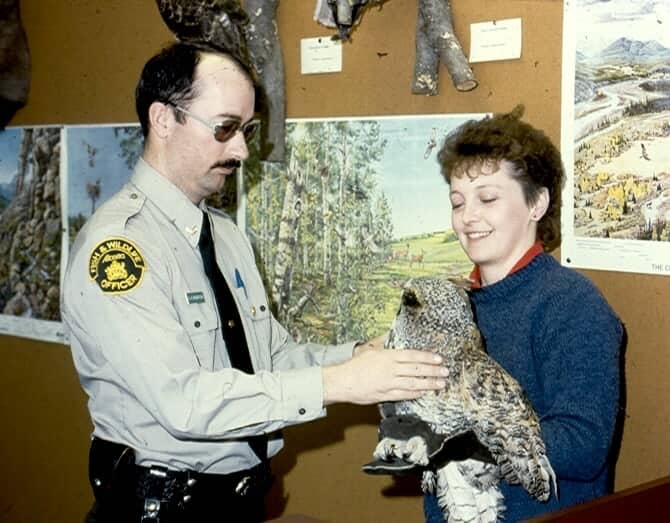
(228, 164)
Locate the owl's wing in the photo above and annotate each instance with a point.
(218, 24)
(507, 425)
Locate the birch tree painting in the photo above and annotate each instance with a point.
(335, 236)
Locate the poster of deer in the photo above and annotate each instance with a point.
(358, 207)
(616, 135)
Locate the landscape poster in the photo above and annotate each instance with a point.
(52, 179)
(30, 232)
(356, 209)
(615, 138)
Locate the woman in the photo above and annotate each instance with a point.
(547, 325)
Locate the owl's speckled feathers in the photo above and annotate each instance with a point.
(481, 398)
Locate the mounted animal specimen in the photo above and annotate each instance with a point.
(14, 62)
(342, 14)
(264, 47)
(435, 40)
(248, 32)
(437, 43)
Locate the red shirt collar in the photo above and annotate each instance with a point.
(476, 277)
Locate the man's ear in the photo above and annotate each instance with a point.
(161, 119)
(541, 205)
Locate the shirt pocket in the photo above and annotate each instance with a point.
(255, 313)
(201, 322)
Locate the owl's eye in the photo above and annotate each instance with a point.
(409, 299)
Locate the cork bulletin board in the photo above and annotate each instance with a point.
(86, 58)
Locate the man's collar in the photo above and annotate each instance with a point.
(181, 211)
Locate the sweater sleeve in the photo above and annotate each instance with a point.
(577, 354)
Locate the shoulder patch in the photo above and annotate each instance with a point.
(116, 265)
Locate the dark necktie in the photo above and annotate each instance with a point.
(231, 324)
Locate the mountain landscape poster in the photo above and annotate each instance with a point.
(616, 135)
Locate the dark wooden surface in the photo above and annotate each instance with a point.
(296, 518)
(646, 502)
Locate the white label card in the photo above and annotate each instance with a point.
(495, 40)
(320, 55)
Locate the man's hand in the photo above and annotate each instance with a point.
(375, 375)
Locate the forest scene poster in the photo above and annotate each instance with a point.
(616, 135)
(356, 209)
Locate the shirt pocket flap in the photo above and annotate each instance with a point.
(255, 308)
(201, 322)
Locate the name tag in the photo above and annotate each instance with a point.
(195, 297)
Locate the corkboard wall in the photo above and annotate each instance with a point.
(87, 55)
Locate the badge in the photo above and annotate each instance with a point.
(116, 265)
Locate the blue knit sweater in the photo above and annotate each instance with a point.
(551, 329)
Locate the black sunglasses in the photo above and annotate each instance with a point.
(226, 129)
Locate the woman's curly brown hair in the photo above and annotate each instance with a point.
(505, 137)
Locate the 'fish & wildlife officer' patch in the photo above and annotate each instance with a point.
(117, 266)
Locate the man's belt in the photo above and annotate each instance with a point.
(181, 485)
(113, 473)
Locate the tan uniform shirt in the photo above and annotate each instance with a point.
(147, 344)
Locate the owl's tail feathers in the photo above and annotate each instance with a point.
(462, 501)
(534, 472)
(541, 477)
(548, 478)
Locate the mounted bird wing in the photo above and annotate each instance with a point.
(342, 14)
(14, 62)
(226, 26)
(265, 55)
(218, 24)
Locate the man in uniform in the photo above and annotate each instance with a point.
(189, 376)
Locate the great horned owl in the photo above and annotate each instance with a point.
(481, 399)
